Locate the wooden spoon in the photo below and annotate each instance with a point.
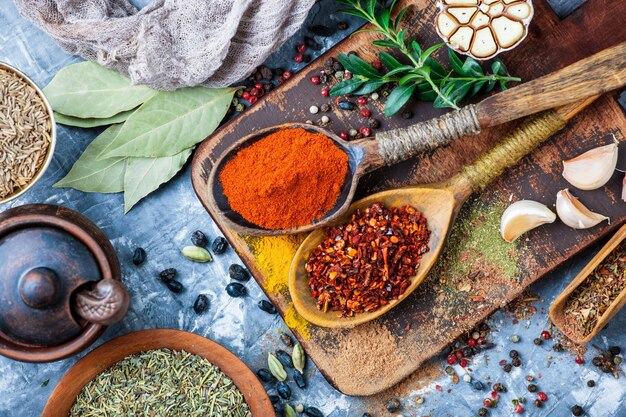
(557, 309)
(602, 72)
(440, 204)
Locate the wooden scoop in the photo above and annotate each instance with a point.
(439, 203)
(602, 72)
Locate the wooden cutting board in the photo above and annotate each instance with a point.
(478, 273)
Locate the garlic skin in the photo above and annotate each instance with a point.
(522, 216)
(592, 169)
(574, 214)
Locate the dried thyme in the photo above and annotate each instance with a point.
(161, 383)
(596, 293)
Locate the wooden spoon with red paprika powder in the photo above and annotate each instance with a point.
(592, 76)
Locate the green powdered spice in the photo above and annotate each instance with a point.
(161, 383)
(475, 244)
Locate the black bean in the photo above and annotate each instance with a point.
(284, 358)
(313, 412)
(299, 379)
(199, 239)
(346, 105)
(174, 286)
(274, 399)
(267, 307)
(265, 375)
(139, 256)
(393, 405)
(202, 304)
(238, 272)
(167, 274)
(235, 289)
(283, 390)
(219, 245)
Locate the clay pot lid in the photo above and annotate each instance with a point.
(59, 283)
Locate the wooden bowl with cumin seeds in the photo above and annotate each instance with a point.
(27, 133)
(110, 353)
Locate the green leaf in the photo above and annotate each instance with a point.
(498, 68)
(437, 71)
(471, 68)
(94, 175)
(399, 17)
(369, 87)
(417, 49)
(346, 87)
(477, 87)
(410, 77)
(356, 13)
(383, 19)
(402, 36)
(91, 122)
(370, 6)
(389, 61)
(425, 92)
(357, 66)
(88, 90)
(384, 43)
(430, 50)
(171, 122)
(399, 70)
(398, 98)
(455, 62)
(144, 175)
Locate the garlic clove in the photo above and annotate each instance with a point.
(446, 24)
(479, 20)
(484, 44)
(508, 32)
(496, 9)
(520, 10)
(461, 2)
(462, 38)
(574, 214)
(522, 216)
(592, 169)
(463, 14)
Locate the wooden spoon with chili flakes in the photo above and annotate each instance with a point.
(592, 76)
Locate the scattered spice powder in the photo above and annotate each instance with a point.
(25, 133)
(588, 302)
(368, 261)
(287, 179)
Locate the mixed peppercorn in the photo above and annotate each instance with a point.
(367, 262)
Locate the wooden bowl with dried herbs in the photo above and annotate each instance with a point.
(27, 133)
(597, 293)
(168, 372)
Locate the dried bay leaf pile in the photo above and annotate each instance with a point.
(152, 133)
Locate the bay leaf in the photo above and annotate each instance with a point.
(90, 174)
(170, 122)
(144, 175)
(91, 122)
(88, 90)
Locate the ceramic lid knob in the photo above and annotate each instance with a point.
(38, 288)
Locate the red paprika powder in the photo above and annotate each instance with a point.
(287, 179)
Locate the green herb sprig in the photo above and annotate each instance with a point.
(424, 76)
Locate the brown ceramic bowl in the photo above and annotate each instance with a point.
(86, 369)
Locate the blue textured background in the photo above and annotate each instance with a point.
(162, 224)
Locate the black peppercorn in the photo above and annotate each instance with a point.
(498, 387)
(219, 245)
(274, 399)
(174, 286)
(321, 30)
(516, 362)
(591, 383)
(199, 239)
(615, 350)
(557, 347)
(306, 58)
(507, 368)
(325, 107)
(139, 256)
(482, 412)
(393, 405)
(478, 386)
(238, 272)
(337, 66)
(373, 123)
(343, 26)
(167, 274)
(312, 43)
(201, 304)
(538, 403)
(538, 341)
(266, 72)
(286, 339)
(532, 388)
(577, 411)
(406, 114)
(513, 354)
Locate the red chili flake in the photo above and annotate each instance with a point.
(362, 101)
(245, 95)
(366, 131)
(343, 135)
(325, 92)
(287, 75)
(365, 263)
(518, 409)
(253, 99)
(316, 80)
(541, 396)
(298, 58)
(301, 48)
(366, 113)
(545, 335)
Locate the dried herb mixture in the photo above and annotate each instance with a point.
(161, 383)
(596, 293)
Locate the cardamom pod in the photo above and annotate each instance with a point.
(197, 254)
(298, 356)
(289, 411)
(276, 368)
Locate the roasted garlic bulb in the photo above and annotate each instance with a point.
(483, 28)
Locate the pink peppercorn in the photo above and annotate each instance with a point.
(451, 359)
(463, 363)
(377, 64)
(459, 354)
(344, 136)
(254, 92)
(519, 409)
(347, 75)
(366, 131)
(298, 58)
(579, 360)
(471, 342)
(362, 101)
(287, 75)
(258, 86)
(488, 403)
(253, 99)
(495, 395)
(315, 80)
(545, 335)
(366, 113)
(541, 396)
(245, 95)
(325, 92)
(301, 48)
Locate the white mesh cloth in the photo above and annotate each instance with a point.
(171, 43)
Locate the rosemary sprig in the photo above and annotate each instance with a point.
(424, 76)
